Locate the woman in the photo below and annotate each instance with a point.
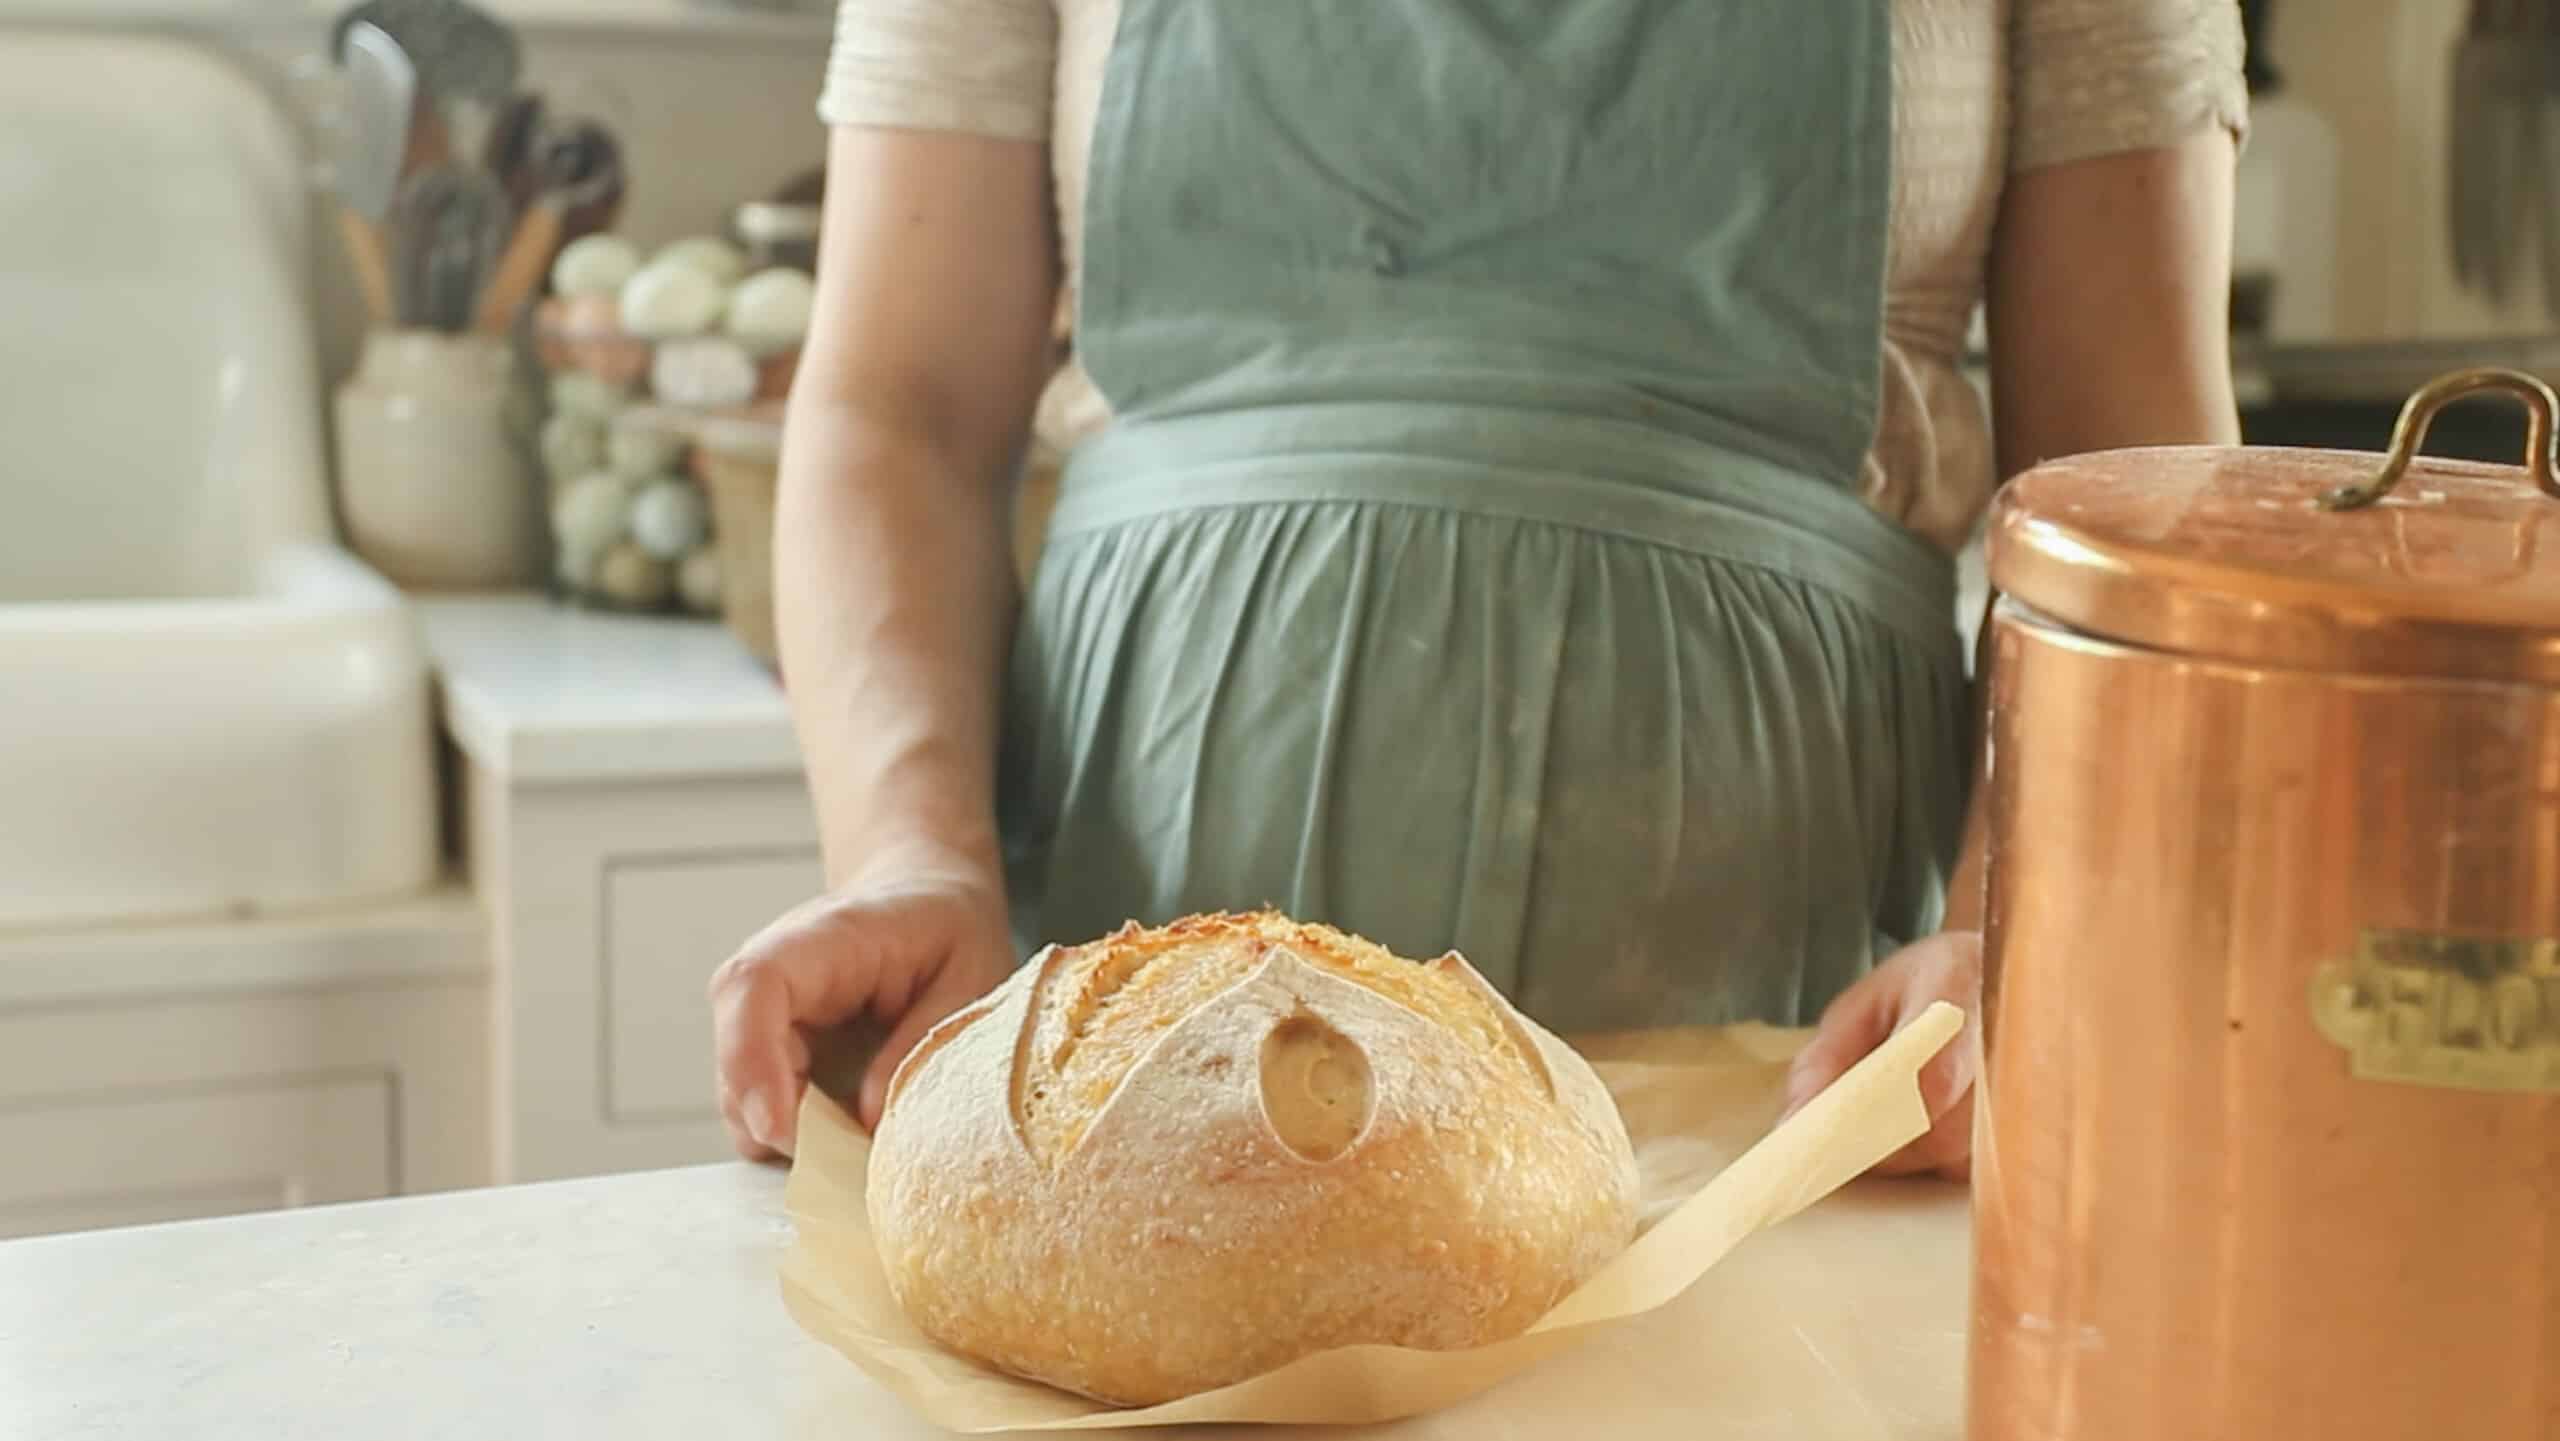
(1519, 451)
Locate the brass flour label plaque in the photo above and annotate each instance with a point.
(2467, 1012)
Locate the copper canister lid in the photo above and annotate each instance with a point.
(2304, 559)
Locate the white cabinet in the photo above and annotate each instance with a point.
(611, 902)
(667, 920)
(112, 1161)
(167, 1073)
(634, 809)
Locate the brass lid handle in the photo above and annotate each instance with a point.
(2410, 432)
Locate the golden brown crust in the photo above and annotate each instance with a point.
(1176, 1157)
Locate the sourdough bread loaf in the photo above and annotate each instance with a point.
(1178, 1157)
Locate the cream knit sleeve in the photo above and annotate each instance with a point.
(983, 67)
(2097, 77)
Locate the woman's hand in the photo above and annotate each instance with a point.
(908, 950)
(1945, 967)
(893, 604)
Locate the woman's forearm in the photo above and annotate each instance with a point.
(894, 589)
(893, 569)
(2109, 294)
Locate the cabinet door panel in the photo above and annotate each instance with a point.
(82, 1162)
(668, 921)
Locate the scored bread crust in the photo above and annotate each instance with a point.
(1174, 1158)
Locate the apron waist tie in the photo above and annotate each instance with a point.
(1610, 477)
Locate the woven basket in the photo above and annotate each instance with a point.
(735, 460)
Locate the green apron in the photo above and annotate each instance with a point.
(1474, 560)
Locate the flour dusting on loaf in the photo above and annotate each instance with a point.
(1178, 1157)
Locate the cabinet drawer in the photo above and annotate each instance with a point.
(82, 1162)
(668, 922)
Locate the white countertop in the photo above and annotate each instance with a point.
(646, 1306)
(540, 692)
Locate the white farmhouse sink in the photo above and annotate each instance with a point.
(205, 705)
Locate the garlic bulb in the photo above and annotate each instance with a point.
(577, 565)
(704, 372)
(593, 512)
(576, 392)
(633, 577)
(572, 445)
(594, 265)
(668, 518)
(717, 260)
(663, 301)
(769, 311)
(641, 453)
(698, 581)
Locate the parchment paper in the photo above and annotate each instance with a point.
(1693, 1103)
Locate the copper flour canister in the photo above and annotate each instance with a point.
(2268, 1144)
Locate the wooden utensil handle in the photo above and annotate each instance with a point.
(520, 270)
(430, 145)
(369, 255)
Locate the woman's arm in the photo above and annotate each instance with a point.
(894, 598)
(2109, 299)
(2109, 303)
(893, 576)
(2109, 306)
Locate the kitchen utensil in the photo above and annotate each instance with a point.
(2257, 67)
(599, 155)
(369, 256)
(2511, 86)
(382, 85)
(577, 171)
(411, 222)
(2533, 93)
(467, 63)
(460, 51)
(513, 154)
(451, 224)
(430, 139)
(2494, 165)
(2270, 1123)
(2547, 155)
(381, 92)
(453, 267)
(2468, 96)
(479, 228)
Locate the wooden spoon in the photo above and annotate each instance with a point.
(575, 173)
